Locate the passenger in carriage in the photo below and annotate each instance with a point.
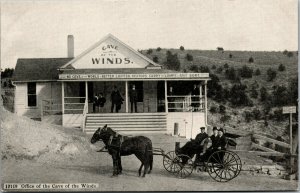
(222, 141)
(214, 146)
(199, 139)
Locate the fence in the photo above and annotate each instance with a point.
(185, 103)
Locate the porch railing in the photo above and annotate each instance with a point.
(74, 105)
(85, 111)
(185, 103)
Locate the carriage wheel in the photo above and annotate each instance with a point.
(186, 165)
(223, 166)
(169, 161)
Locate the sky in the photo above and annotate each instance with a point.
(39, 29)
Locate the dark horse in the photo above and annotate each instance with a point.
(118, 145)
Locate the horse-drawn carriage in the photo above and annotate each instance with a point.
(221, 165)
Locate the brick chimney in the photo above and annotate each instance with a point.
(70, 46)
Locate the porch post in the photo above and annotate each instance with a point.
(200, 97)
(63, 100)
(86, 91)
(126, 96)
(166, 98)
(205, 90)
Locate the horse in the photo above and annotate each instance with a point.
(118, 145)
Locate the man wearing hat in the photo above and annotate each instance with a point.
(214, 140)
(222, 141)
(202, 135)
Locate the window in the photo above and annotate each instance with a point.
(31, 94)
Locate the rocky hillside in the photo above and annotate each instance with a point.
(218, 61)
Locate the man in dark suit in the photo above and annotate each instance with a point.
(133, 98)
(198, 140)
(222, 141)
(214, 146)
(116, 100)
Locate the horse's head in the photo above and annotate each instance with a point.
(99, 134)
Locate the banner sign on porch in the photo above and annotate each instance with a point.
(291, 109)
(134, 76)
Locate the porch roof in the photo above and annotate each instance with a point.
(129, 73)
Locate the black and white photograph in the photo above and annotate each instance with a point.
(149, 95)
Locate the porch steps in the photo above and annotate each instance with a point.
(128, 123)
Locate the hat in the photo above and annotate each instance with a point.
(202, 128)
(215, 128)
(221, 129)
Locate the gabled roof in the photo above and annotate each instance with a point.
(69, 64)
(41, 69)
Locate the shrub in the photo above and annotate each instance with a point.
(230, 55)
(213, 109)
(214, 88)
(189, 57)
(213, 67)
(204, 69)
(248, 116)
(277, 115)
(256, 114)
(246, 72)
(181, 48)
(251, 60)
(281, 67)
(285, 52)
(290, 54)
(149, 51)
(172, 61)
(257, 72)
(219, 70)
(238, 96)
(7, 73)
(225, 118)
(222, 109)
(263, 94)
(158, 49)
(220, 49)
(280, 96)
(293, 91)
(231, 74)
(155, 59)
(226, 66)
(253, 92)
(271, 74)
(194, 68)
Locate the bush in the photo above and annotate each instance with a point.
(219, 70)
(230, 55)
(226, 66)
(256, 114)
(271, 74)
(263, 94)
(155, 59)
(158, 49)
(220, 49)
(204, 69)
(246, 72)
(213, 67)
(285, 52)
(253, 92)
(280, 96)
(214, 88)
(251, 60)
(149, 51)
(238, 96)
(7, 73)
(213, 109)
(248, 116)
(222, 109)
(257, 72)
(281, 67)
(194, 68)
(189, 57)
(231, 74)
(290, 54)
(277, 115)
(172, 61)
(293, 91)
(181, 48)
(225, 118)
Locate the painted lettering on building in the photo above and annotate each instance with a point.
(109, 55)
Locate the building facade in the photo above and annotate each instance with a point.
(63, 91)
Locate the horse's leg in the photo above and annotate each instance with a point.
(115, 164)
(140, 170)
(120, 164)
(142, 162)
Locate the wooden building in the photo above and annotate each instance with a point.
(62, 91)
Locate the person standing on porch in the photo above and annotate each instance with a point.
(95, 103)
(133, 98)
(171, 100)
(195, 97)
(101, 102)
(116, 100)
